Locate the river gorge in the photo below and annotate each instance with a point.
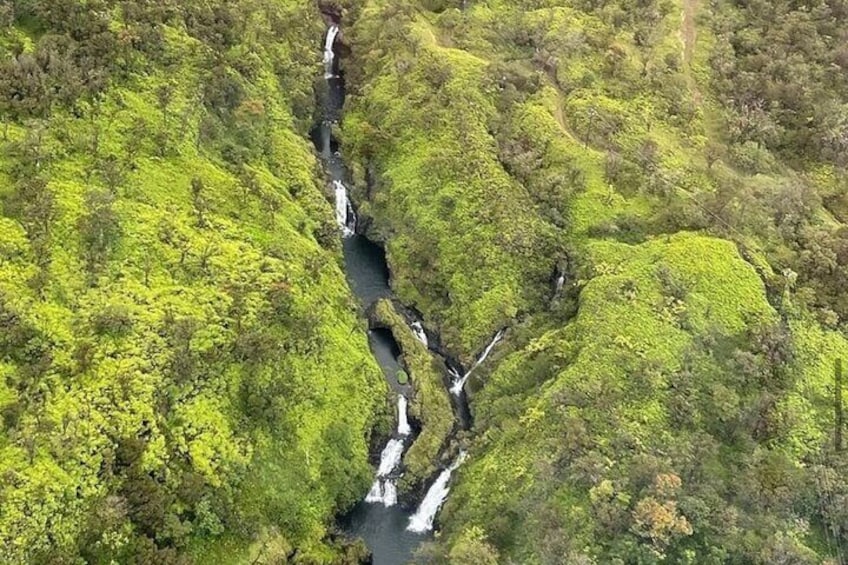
(392, 526)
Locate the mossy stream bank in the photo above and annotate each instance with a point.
(417, 459)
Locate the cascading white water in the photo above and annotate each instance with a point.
(495, 340)
(560, 283)
(384, 490)
(422, 520)
(390, 457)
(389, 493)
(420, 334)
(403, 420)
(329, 54)
(459, 383)
(345, 217)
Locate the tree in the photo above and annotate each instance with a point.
(34, 204)
(199, 201)
(164, 97)
(472, 549)
(100, 229)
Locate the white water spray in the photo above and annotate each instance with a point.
(403, 420)
(390, 457)
(422, 520)
(560, 283)
(345, 217)
(459, 382)
(329, 54)
(420, 334)
(384, 490)
(389, 493)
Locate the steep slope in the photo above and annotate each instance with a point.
(183, 373)
(674, 400)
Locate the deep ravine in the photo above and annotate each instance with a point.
(391, 530)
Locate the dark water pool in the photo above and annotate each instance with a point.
(384, 531)
(366, 269)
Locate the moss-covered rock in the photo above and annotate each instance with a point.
(430, 404)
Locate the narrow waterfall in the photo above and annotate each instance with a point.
(459, 382)
(345, 217)
(384, 490)
(390, 457)
(422, 520)
(329, 54)
(403, 419)
(420, 334)
(560, 282)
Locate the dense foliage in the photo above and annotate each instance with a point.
(183, 373)
(683, 164)
(184, 378)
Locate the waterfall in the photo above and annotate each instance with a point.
(329, 54)
(560, 282)
(389, 493)
(390, 457)
(458, 385)
(384, 490)
(345, 217)
(376, 492)
(403, 420)
(459, 382)
(495, 340)
(422, 520)
(418, 330)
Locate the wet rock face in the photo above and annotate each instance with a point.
(331, 11)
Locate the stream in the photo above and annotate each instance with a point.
(391, 530)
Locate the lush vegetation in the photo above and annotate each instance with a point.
(684, 165)
(430, 404)
(184, 377)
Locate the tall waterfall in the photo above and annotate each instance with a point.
(384, 490)
(329, 54)
(403, 419)
(459, 382)
(422, 520)
(390, 457)
(420, 334)
(345, 217)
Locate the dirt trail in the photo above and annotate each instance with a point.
(688, 36)
(688, 31)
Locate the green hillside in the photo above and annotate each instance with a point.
(183, 370)
(186, 375)
(684, 166)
